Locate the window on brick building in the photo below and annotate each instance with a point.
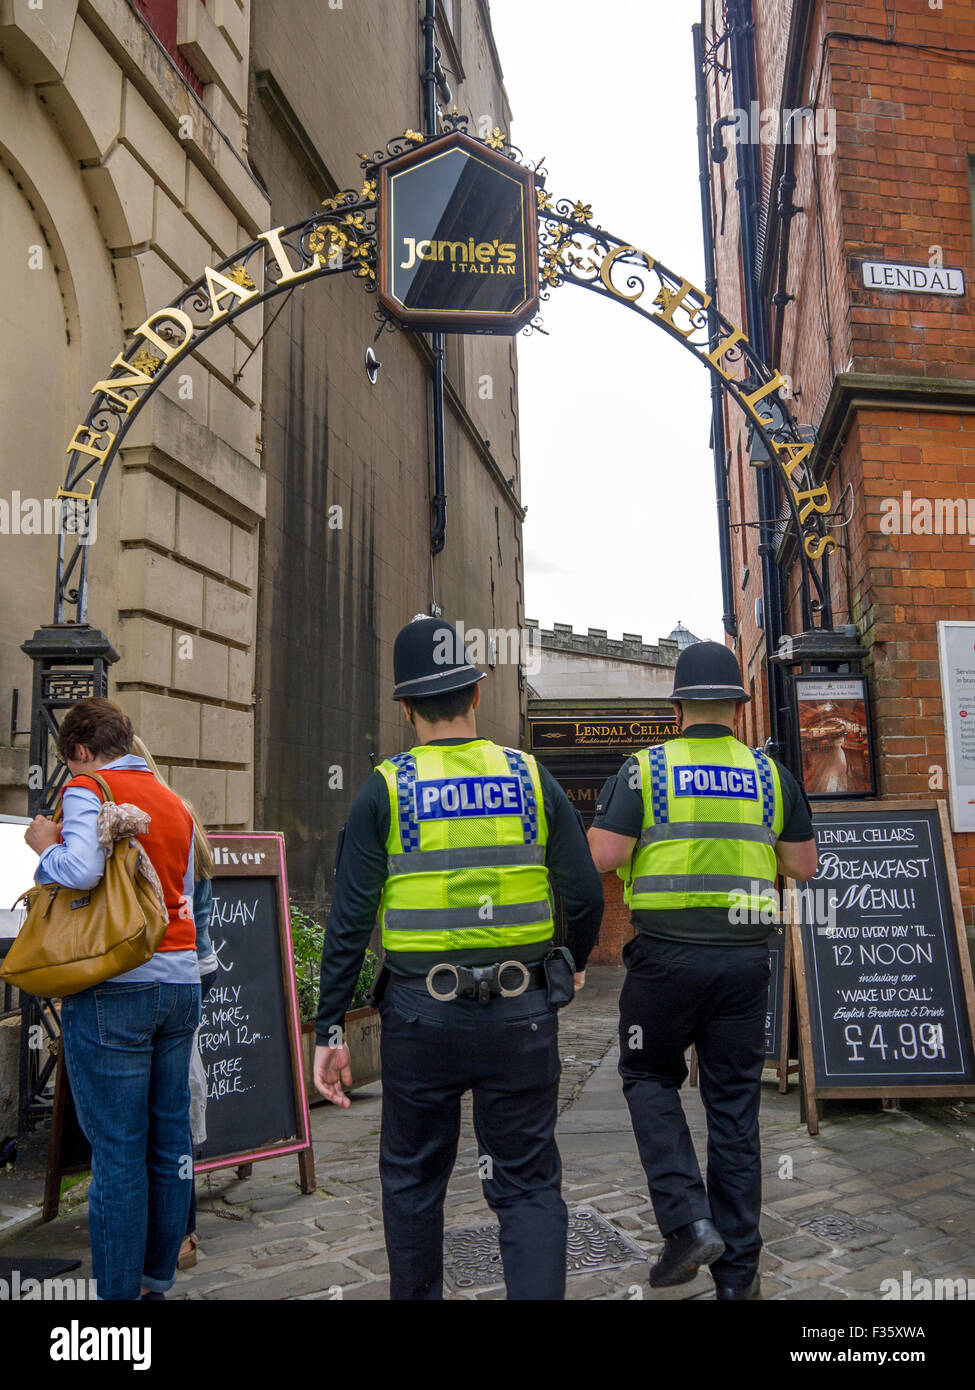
(162, 17)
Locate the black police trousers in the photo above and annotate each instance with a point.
(715, 997)
(506, 1053)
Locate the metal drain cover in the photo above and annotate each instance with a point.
(831, 1226)
(472, 1256)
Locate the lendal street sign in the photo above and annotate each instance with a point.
(458, 238)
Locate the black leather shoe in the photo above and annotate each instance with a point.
(685, 1250)
(750, 1291)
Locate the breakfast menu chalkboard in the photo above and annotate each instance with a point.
(249, 1031)
(883, 976)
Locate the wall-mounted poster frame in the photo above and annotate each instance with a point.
(835, 744)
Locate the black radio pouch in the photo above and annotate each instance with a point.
(375, 995)
(559, 970)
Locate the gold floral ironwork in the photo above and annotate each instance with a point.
(496, 139)
(145, 361)
(241, 277)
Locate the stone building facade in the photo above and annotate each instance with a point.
(883, 378)
(345, 548)
(266, 528)
(125, 173)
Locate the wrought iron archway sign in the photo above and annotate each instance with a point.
(344, 236)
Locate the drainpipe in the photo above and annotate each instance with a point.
(438, 534)
(748, 184)
(718, 444)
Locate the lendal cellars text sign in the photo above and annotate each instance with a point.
(601, 733)
(458, 246)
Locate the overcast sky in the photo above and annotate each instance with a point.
(617, 475)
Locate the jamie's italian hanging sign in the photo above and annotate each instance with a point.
(458, 239)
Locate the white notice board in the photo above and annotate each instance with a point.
(18, 864)
(956, 658)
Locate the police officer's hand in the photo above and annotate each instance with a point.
(333, 1070)
(579, 980)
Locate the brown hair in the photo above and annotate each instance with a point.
(99, 725)
(202, 853)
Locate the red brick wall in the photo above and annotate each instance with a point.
(896, 187)
(904, 584)
(616, 930)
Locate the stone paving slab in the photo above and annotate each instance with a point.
(906, 1176)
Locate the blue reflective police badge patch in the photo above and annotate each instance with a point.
(449, 798)
(716, 781)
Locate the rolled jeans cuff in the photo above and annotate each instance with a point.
(157, 1285)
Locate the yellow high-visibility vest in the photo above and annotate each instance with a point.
(712, 812)
(466, 847)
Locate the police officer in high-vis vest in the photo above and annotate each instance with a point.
(457, 844)
(698, 828)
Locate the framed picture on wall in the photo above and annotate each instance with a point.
(833, 719)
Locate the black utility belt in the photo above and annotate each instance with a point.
(447, 981)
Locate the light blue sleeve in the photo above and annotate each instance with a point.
(79, 860)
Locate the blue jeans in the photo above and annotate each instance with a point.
(127, 1049)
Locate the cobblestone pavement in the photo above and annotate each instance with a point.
(898, 1189)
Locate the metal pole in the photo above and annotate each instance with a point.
(749, 191)
(438, 534)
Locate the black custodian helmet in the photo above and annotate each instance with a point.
(429, 658)
(708, 671)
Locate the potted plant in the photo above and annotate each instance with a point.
(361, 1021)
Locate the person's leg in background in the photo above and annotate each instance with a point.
(169, 1156)
(731, 1055)
(107, 1033)
(515, 1109)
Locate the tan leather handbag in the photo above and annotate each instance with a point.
(75, 937)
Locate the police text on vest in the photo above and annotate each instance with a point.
(715, 781)
(448, 798)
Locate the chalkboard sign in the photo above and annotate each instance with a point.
(249, 1031)
(883, 977)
